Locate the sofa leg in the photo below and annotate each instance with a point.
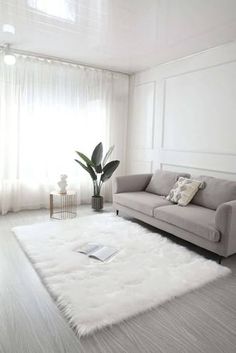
(219, 259)
(117, 212)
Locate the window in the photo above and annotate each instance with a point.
(62, 9)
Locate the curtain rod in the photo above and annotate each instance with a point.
(57, 59)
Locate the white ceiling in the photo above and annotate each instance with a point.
(121, 35)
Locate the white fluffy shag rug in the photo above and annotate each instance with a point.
(148, 270)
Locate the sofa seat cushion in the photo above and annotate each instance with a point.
(140, 201)
(192, 218)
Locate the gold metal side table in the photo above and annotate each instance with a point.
(63, 206)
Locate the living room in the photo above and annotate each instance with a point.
(118, 176)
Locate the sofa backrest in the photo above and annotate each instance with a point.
(215, 192)
(163, 180)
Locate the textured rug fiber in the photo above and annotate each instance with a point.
(148, 270)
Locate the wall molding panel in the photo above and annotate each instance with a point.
(200, 151)
(141, 128)
(165, 166)
(195, 172)
(201, 69)
(193, 107)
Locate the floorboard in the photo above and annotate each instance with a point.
(203, 321)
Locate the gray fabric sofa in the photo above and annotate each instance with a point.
(209, 221)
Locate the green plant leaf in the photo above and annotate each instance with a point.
(109, 152)
(88, 169)
(98, 168)
(109, 169)
(92, 173)
(85, 158)
(97, 154)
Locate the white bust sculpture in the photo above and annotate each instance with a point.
(62, 184)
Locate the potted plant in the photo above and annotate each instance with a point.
(99, 170)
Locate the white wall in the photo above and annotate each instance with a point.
(183, 115)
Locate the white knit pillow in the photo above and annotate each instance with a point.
(183, 191)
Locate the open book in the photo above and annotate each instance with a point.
(97, 251)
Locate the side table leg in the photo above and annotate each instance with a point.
(51, 206)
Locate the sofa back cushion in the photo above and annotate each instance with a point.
(215, 192)
(162, 182)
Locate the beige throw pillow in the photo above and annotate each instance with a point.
(183, 191)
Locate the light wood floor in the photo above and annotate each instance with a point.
(203, 321)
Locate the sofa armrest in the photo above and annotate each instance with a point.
(225, 222)
(129, 183)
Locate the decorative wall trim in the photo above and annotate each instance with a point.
(163, 117)
(144, 83)
(151, 167)
(201, 69)
(197, 168)
(164, 109)
(153, 108)
(187, 155)
(199, 151)
(154, 114)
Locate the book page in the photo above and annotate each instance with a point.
(89, 248)
(103, 253)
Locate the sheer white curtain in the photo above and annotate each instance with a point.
(47, 111)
